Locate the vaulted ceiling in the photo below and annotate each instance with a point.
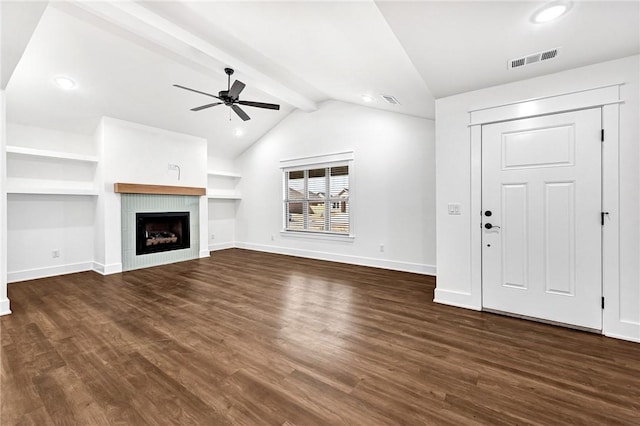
(125, 57)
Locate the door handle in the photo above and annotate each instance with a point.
(490, 226)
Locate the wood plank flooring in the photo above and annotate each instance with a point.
(249, 338)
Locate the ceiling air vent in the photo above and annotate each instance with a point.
(515, 63)
(533, 58)
(390, 99)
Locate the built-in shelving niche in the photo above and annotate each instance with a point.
(38, 171)
(222, 185)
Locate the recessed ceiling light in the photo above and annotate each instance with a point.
(238, 132)
(551, 11)
(65, 83)
(367, 98)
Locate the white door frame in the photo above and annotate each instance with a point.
(608, 98)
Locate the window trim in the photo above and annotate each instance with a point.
(315, 235)
(315, 162)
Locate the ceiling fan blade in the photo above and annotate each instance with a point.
(240, 113)
(205, 106)
(197, 91)
(236, 88)
(259, 104)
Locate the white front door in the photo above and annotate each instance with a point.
(541, 199)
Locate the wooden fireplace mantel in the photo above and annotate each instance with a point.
(136, 188)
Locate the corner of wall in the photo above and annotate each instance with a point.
(102, 269)
(221, 246)
(4, 300)
(5, 308)
(457, 298)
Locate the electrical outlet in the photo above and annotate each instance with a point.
(381, 248)
(273, 237)
(173, 166)
(55, 253)
(213, 236)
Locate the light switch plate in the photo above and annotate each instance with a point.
(453, 208)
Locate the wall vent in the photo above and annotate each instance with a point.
(533, 58)
(390, 99)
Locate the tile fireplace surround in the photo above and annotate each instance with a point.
(151, 203)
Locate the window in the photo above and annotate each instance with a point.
(316, 199)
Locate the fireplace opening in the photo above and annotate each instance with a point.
(157, 232)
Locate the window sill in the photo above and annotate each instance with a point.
(317, 236)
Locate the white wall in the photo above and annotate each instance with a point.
(99, 242)
(392, 186)
(133, 153)
(4, 301)
(39, 224)
(222, 223)
(219, 163)
(49, 139)
(453, 176)
(141, 154)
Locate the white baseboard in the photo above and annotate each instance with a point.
(32, 274)
(205, 253)
(113, 268)
(5, 308)
(221, 246)
(416, 268)
(625, 330)
(623, 337)
(455, 298)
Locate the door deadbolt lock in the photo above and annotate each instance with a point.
(488, 213)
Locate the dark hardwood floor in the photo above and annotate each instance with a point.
(248, 338)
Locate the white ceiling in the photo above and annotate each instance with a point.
(126, 56)
(465, 45)
(18, 22)
(120, 79)
(342, 49)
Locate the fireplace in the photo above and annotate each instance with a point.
(158, 232)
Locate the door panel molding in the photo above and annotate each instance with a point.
(523, 150)
(560, 230)
(515, 268)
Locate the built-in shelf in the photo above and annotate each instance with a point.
(217, 190)
(223, 174)
(43, 153)
(223, 195)
(51, 191)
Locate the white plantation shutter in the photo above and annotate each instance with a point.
(339, 199)
(316, 198)
(294, 201)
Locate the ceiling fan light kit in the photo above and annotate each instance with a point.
(230, 97)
